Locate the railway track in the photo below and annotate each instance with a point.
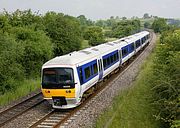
(56, 118)
(20, 108)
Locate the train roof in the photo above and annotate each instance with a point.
(77, 57)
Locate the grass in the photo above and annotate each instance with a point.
(133, 107)
(25, 88)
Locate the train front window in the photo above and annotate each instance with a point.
(57, 77)
(49, 76)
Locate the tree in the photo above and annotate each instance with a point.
(11, 71)
(64, 31)
(124, 18)
(159, 25)
(37, 49)
(125, 28)
(25, 19)
(84, 21)
(147, 25)
(94, 35)
(166, 77)
(146, 16)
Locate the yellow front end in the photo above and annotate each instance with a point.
(56, 96)
(67, 93)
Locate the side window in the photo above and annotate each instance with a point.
(104, 63)
(95, 68)
(137, 44)
(124, 52)
(108, 61)
(132, 47)
(87, 72)
(92, 73)
(111, 59)
(115, 57)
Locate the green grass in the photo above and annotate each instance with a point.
(25, 88)
(133, 107)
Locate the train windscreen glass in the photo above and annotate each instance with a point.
(57, 78)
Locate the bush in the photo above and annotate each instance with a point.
(37, 49)
(64, 32)
(10, 70)
(166, 77)
(95, 35)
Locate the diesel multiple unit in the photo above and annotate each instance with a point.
(65, 79)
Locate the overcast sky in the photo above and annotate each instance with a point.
(98, 9)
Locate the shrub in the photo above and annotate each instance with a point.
(166, 77)
(10, 70)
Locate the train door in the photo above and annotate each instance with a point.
(80, 74)
(120, 57)
(100, 69)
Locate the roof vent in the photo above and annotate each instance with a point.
(86, 52)
(116, 42)
(95, 49)
(109, 44)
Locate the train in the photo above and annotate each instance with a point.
(66, 79)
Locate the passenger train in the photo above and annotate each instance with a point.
(65, 79)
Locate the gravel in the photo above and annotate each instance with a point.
(86, 117)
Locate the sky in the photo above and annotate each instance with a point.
(98, 9)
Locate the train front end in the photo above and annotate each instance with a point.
(59, 86)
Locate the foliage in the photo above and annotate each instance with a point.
(147, 25)
(146, 16)
(37, 49)
(166, 77)
(10, 70)
(160, 25)
(24, 47)
(64, 32)
(94, 35)
(125, 28)
(84, 21)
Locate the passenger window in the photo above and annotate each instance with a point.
(108, 61)
(111, 59)
(87, 72)
(124, 52)
(132, 47)
(115, 57)
(95, 68)
(137, 44)
(104, 63)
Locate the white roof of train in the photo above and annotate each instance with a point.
(92, 52)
